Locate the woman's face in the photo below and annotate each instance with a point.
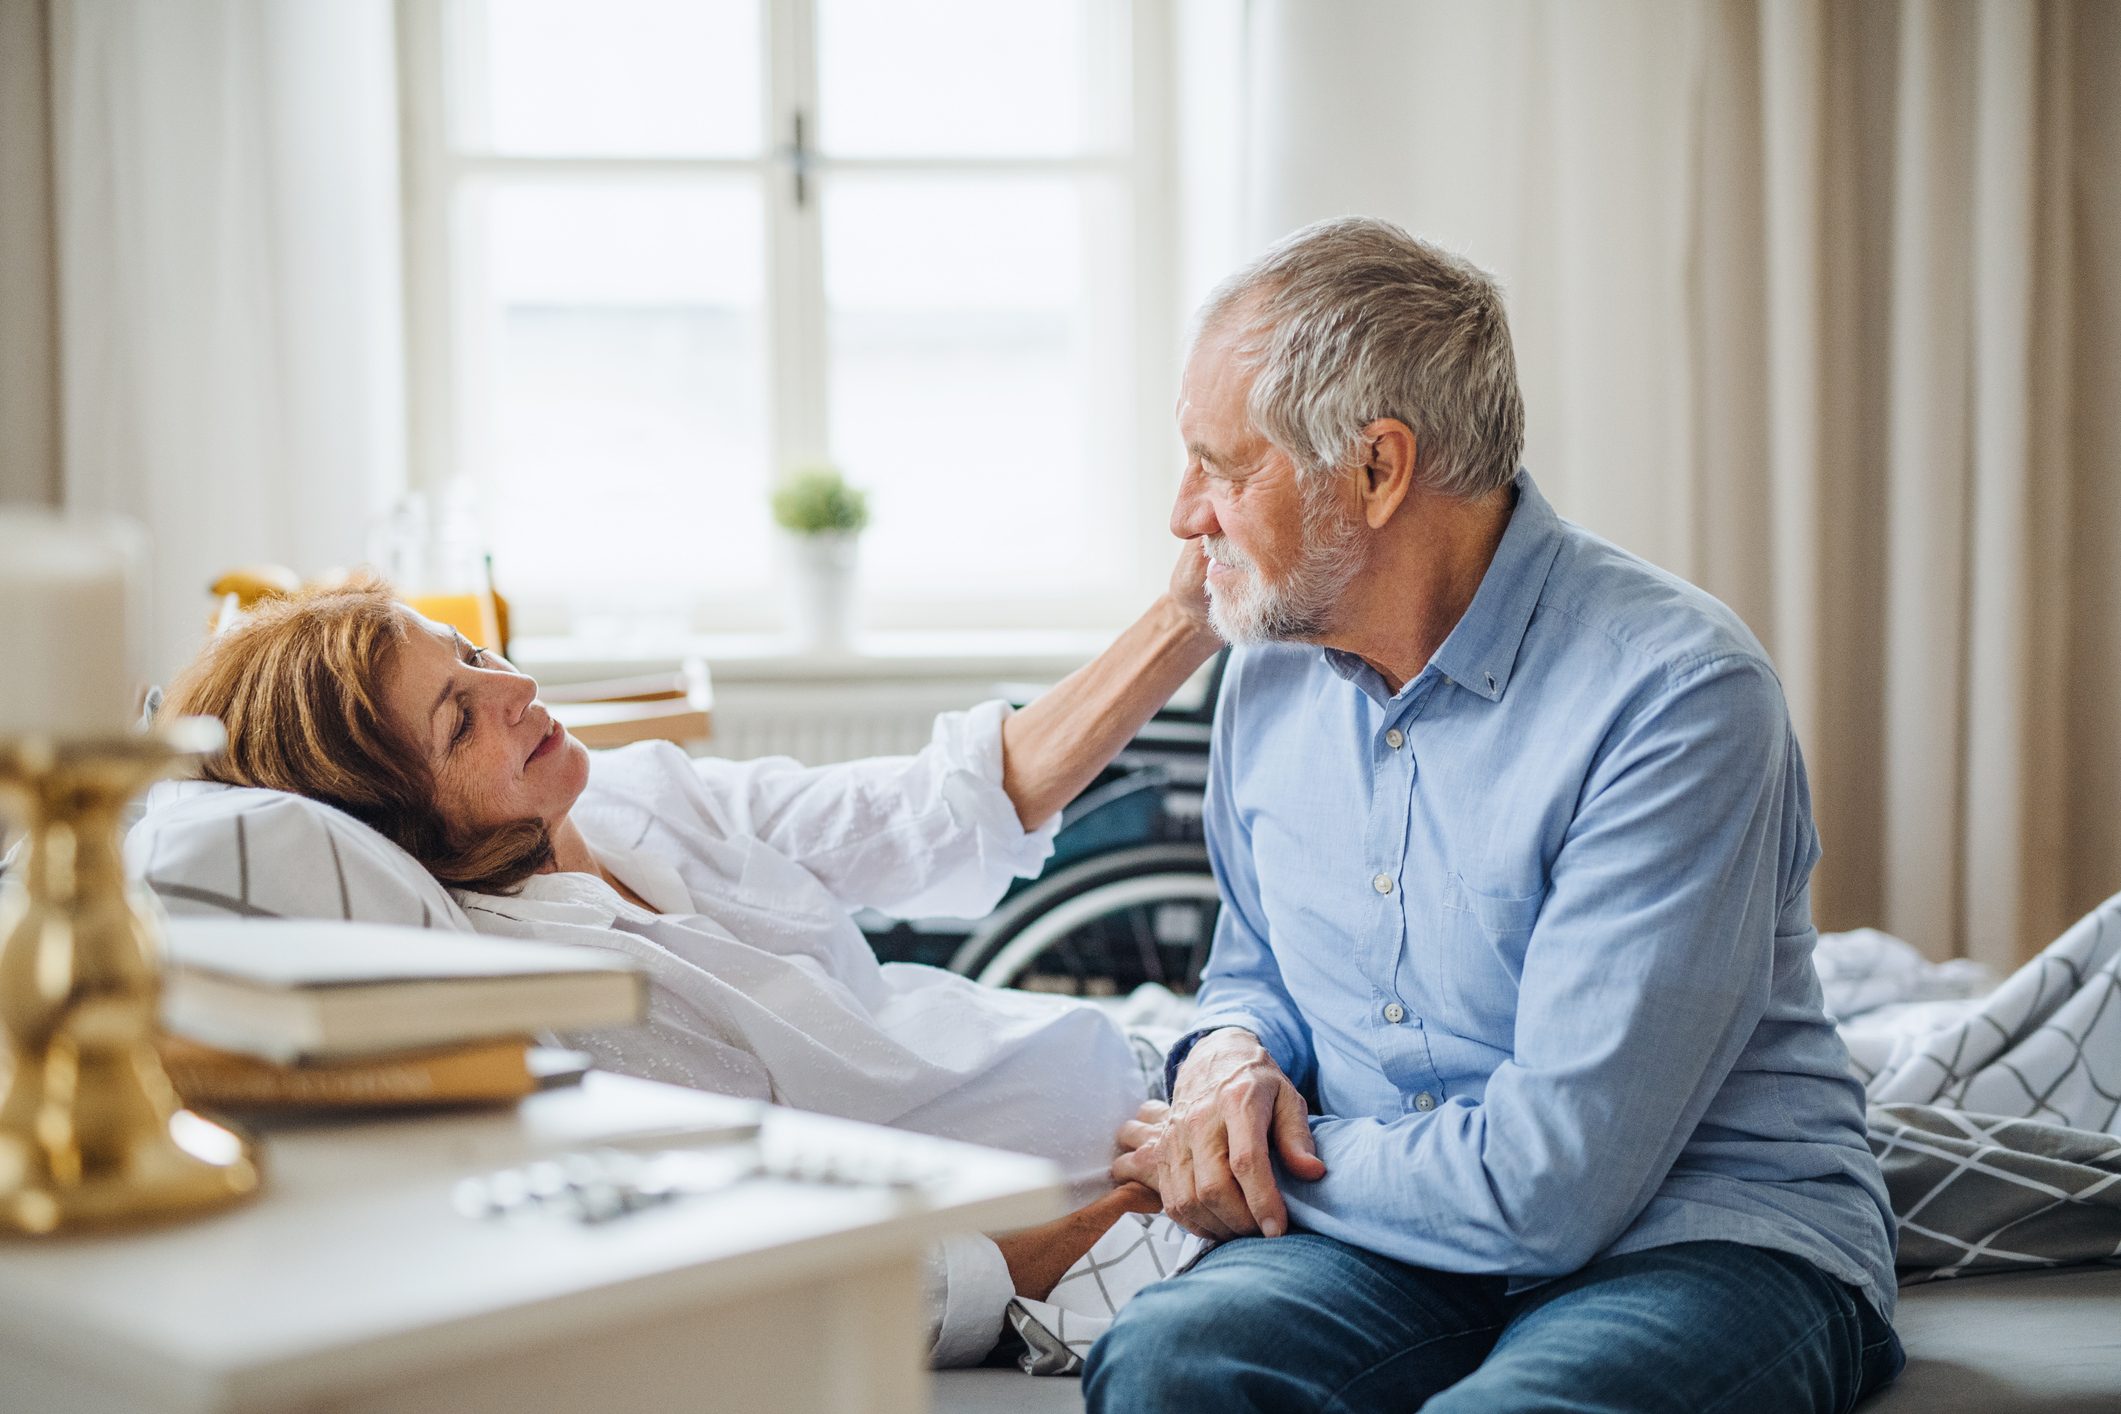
(496, 753)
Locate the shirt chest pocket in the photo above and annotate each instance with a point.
(1480, 940)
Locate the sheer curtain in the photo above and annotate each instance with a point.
(229, 308)
(1816, 304)
(29, 424)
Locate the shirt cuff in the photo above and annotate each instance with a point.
(969, 1295)
(971, 747)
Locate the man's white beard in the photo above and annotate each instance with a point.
(1299, 606)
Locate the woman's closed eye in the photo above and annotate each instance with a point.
(472, 656)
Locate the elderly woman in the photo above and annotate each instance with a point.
(731, 884)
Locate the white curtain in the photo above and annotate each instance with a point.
(229, 310)
(29, 423)
(1816, 304)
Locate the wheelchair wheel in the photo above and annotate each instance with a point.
(1103, 925)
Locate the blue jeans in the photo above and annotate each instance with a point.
(1303, 1322)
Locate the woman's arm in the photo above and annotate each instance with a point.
(943, 831)
(1057, 745)
(1039, 1257)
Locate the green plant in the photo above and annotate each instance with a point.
(818, 501)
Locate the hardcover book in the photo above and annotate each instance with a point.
(472, 1073)
(286, 991)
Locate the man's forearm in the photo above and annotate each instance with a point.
(1057, 745)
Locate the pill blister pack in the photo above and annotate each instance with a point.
(600, 1185)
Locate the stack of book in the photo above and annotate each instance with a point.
(278, 1015)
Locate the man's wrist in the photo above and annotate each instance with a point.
(1192, 1042)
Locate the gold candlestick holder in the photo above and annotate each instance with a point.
(91, 1132)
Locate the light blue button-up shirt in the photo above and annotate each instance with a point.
(1535, 931)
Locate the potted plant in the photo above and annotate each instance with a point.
(823, 517)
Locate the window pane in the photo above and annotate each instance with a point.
(962, 317)
(614, 361)
(969, 77)
(640, 78)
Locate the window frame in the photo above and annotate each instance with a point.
(438, 303)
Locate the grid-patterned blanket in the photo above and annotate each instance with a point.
(1141, 1248)
(1980, 1193)
(2045, 1045)
(1996, 1118)
(1998, 1122)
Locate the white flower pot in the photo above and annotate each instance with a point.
(820, 585)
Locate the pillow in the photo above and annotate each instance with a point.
(212, 849)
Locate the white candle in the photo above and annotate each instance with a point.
(68, 625)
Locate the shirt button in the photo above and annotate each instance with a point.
(1395, 1013)
(1425, 1101)
(1395, 738)
(1382, 883)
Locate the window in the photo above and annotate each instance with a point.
(662, 250)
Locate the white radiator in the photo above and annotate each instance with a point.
(841, 722)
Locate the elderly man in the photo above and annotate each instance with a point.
(1511, 1088)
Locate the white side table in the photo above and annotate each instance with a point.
(354, 1284)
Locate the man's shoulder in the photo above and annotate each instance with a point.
(1647, 621)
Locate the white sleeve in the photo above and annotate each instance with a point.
(968, 1289)
(928, 835)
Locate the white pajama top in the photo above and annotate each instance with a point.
(761, 985)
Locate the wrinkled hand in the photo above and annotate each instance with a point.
(1211, 1154)
(1189, 586)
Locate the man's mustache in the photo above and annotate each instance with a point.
(1223, 552)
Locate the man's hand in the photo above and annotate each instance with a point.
(1211, 1157)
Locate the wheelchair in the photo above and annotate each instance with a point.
(1127, 896)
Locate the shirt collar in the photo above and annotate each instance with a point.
(553, 898)
(655, 880)
(1482, 648)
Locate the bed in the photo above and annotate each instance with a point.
(2042, 1342)
(2039, 1047)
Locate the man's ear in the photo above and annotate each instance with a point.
(1387, 473)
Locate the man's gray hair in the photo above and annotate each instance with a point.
(1351, 320)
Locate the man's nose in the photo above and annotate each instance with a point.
(1191, 515)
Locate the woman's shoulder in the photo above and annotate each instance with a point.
(637, 762)
(652, 797)
(653, 775)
